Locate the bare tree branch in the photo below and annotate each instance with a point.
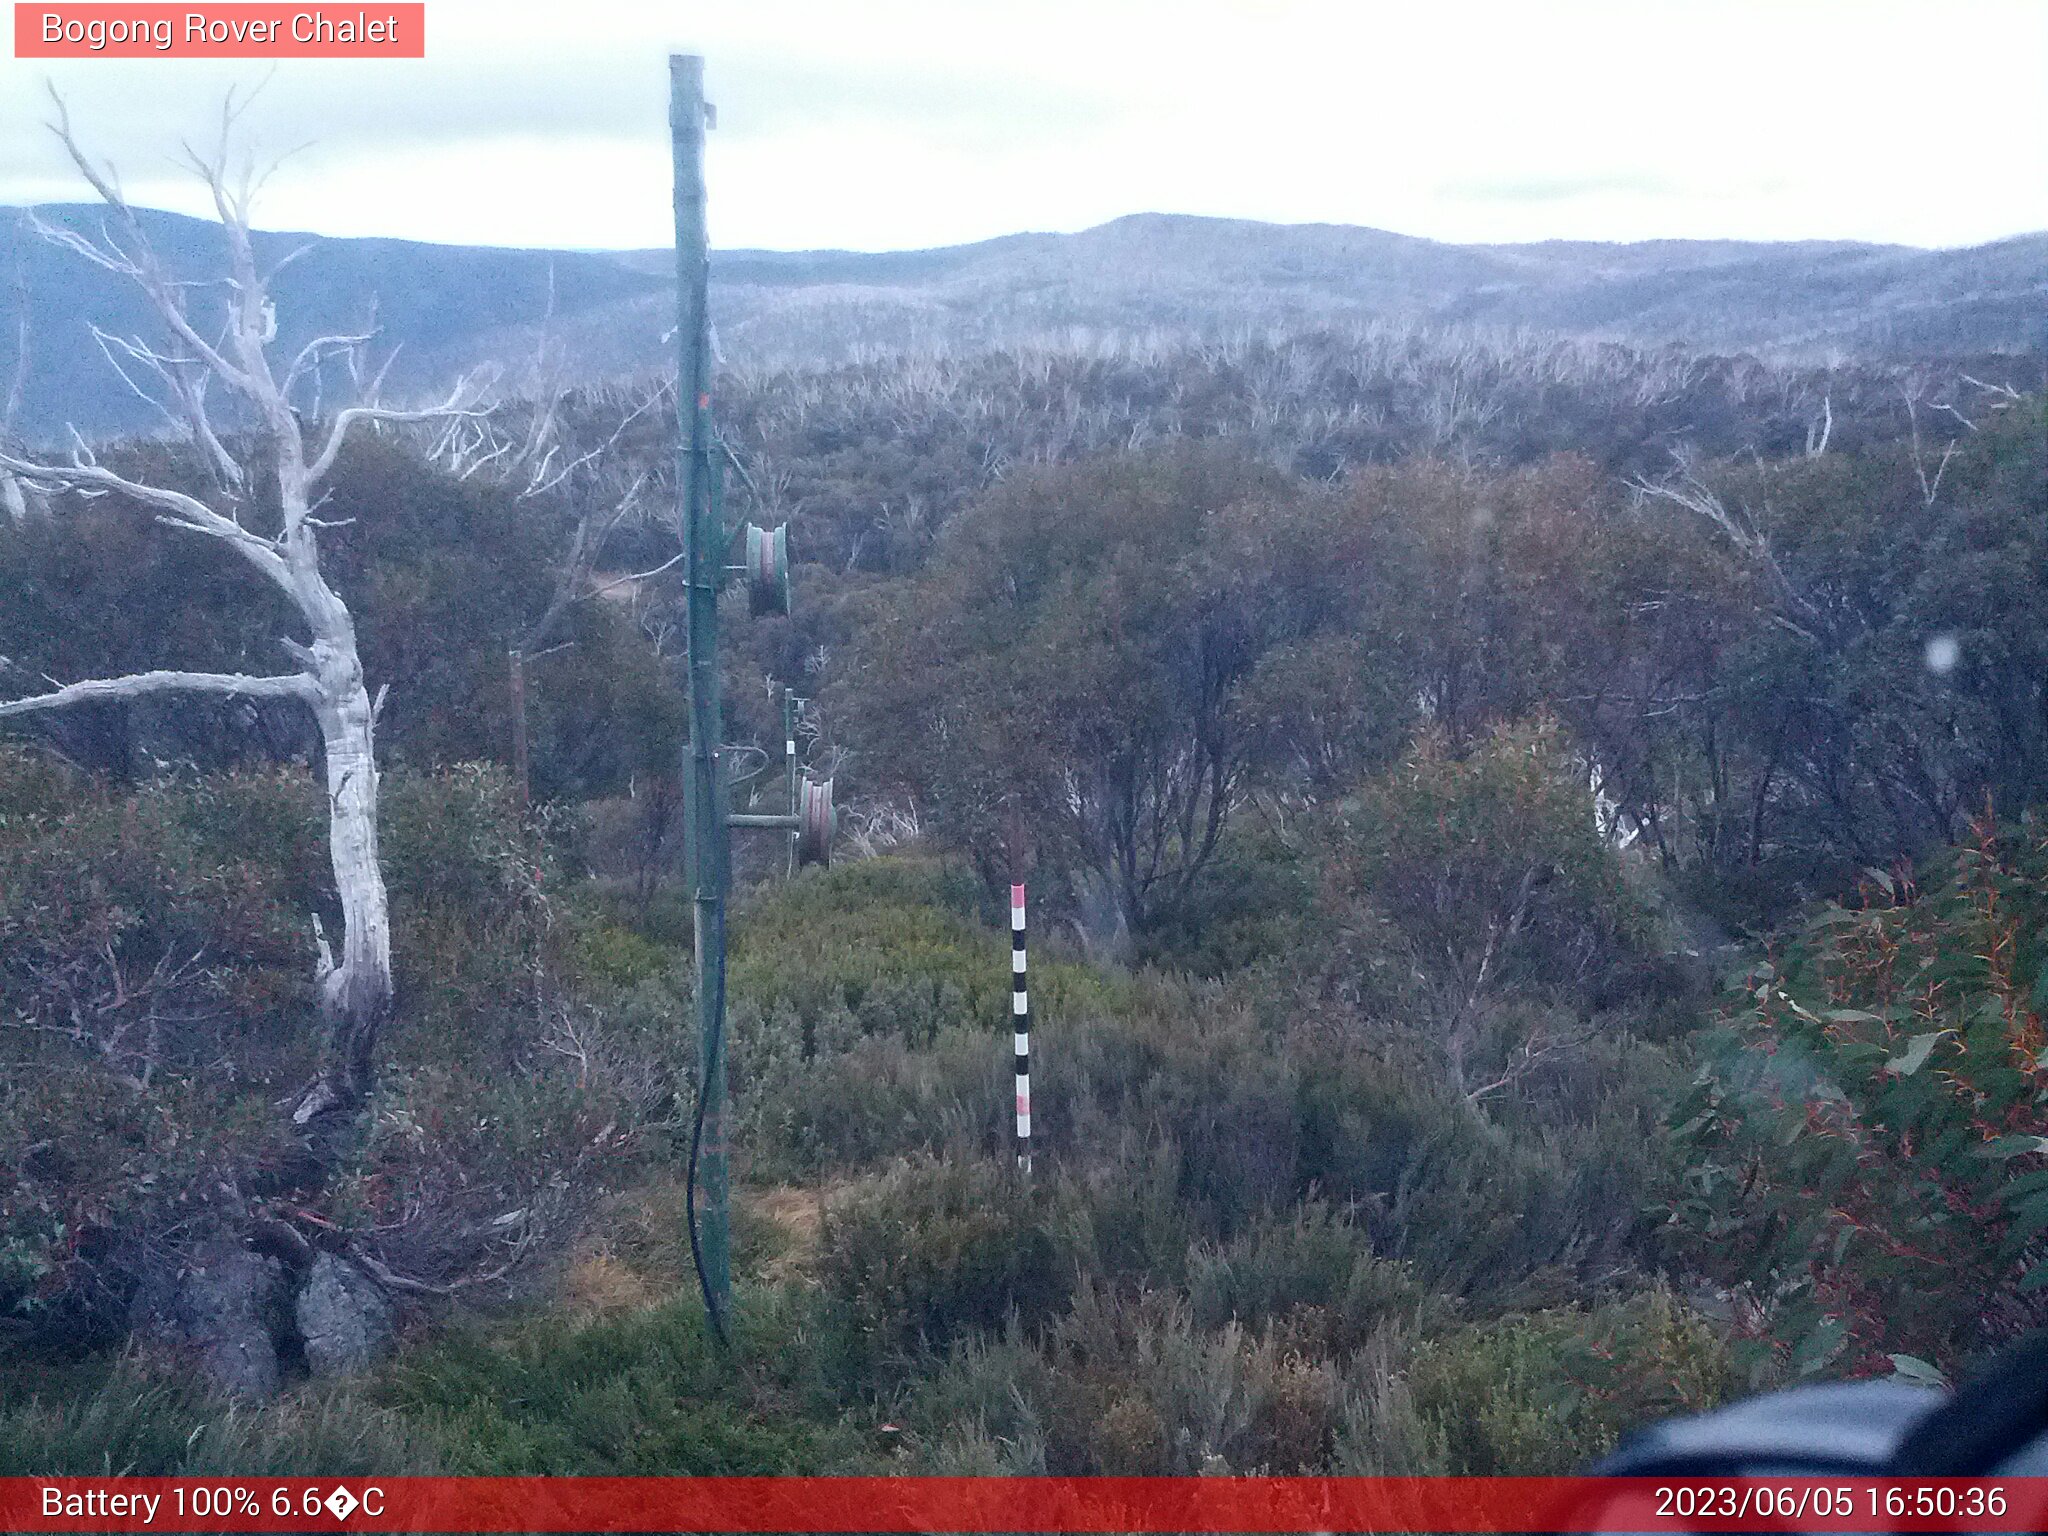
(180, 510)
(103, 690)
(1689, 491)
(457, 405)
(110, 346)
(543, 481)
(316, 351)
(18, 385)
(1818, 433)
(141, 264)
(2003, 391)
(1930, 488)
(633, 576)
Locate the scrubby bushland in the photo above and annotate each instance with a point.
(1369, 813)
(871, 460)
(1776, 673)
(1267, 1209)
(863, 999)
(932, 1252)
(1816, 665)
(155, 1007)
(1074, 673)
(1536, 1394)
(646, 1394)
(1266, 1232)
(1453, 1047)
(1138, 1382)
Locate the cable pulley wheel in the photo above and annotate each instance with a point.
(817, 820)
(767, 569)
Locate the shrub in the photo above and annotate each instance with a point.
(598, 952)
(860, 1106)
(1253, 902)
(1491, 865)
(1869, 1144)
(1547, 1394)
(976, 1412)
(155, 983)
(1185, 1064)
(1484, 1202)
(1120, 1213)
(1136, 1388)
(468, 912)
(869, 1018)
(890, 943)
(931, 1252)
(1315, 1277)
(156, 963)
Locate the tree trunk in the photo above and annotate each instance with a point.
(356, 987)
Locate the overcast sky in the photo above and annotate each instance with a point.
(880, 124)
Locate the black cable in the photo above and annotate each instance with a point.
(711, 1311)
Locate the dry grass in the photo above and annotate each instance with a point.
(632, 1256)
(600, 1285)
(794, 1216)
(635, 1254)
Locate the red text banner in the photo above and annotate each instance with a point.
(1064, 1506)
(231, 31)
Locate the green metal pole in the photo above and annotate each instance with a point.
(705, 829)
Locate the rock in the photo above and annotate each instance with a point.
(343, 1317)
(225, 1304)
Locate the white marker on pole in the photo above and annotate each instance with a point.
(1020, 1009)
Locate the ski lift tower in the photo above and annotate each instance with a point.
(763, 567)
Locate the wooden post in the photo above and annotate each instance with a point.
(521, 763)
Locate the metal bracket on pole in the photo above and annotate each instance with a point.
(811, 819)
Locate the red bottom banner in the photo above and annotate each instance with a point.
(1059, 1506)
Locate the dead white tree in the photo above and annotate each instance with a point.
(1743, 533)
(1914, 390)
(268, 472)
(560, 457)
(1818, 432)
(14, 499)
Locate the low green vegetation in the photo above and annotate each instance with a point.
(1281, 1219)
(1272, 1224)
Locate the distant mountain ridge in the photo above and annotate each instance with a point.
(447, 307)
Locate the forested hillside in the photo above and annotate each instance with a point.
(1536, 858)
(1147, 281)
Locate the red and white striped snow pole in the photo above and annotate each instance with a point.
(1020, 1009)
